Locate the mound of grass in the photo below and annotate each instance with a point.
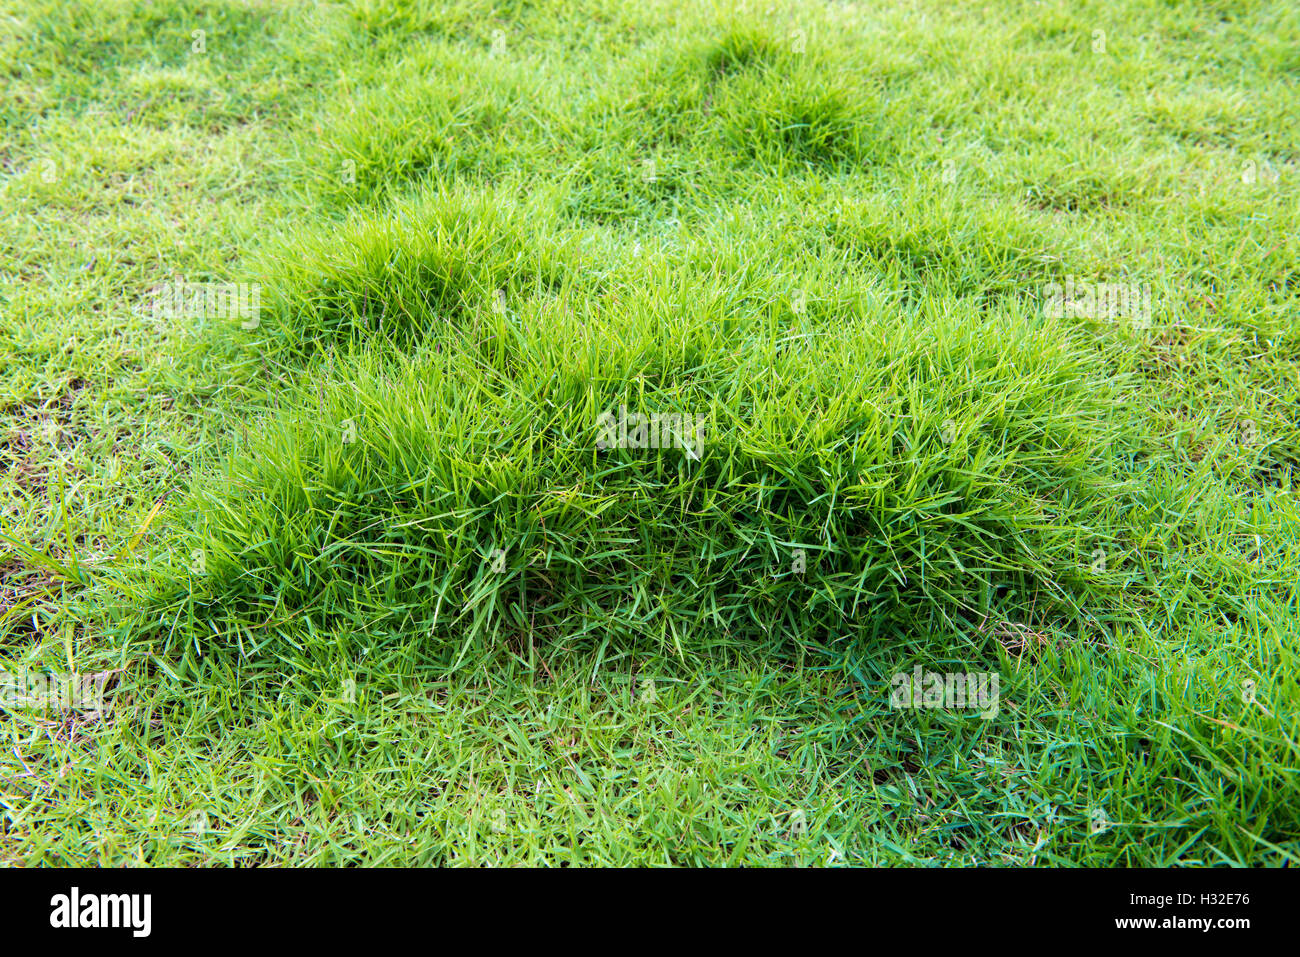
(870, 474)
(396, 279)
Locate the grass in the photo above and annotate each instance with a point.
(361, 585)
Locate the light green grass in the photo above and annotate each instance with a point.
(827, 228)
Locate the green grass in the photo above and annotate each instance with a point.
(360, 583)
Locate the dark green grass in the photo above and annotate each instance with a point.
(926, 461)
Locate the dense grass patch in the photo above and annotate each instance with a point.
(927, 460)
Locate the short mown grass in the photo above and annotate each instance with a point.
(361, 584)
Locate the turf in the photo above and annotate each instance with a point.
(362, 586)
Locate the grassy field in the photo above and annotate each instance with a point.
(359, 583)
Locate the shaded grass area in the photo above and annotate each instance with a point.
(364, 589)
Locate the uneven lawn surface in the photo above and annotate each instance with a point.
(359, 584)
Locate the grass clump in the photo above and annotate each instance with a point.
(924, 463)
(408, 274)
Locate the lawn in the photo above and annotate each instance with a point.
(580, 421)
